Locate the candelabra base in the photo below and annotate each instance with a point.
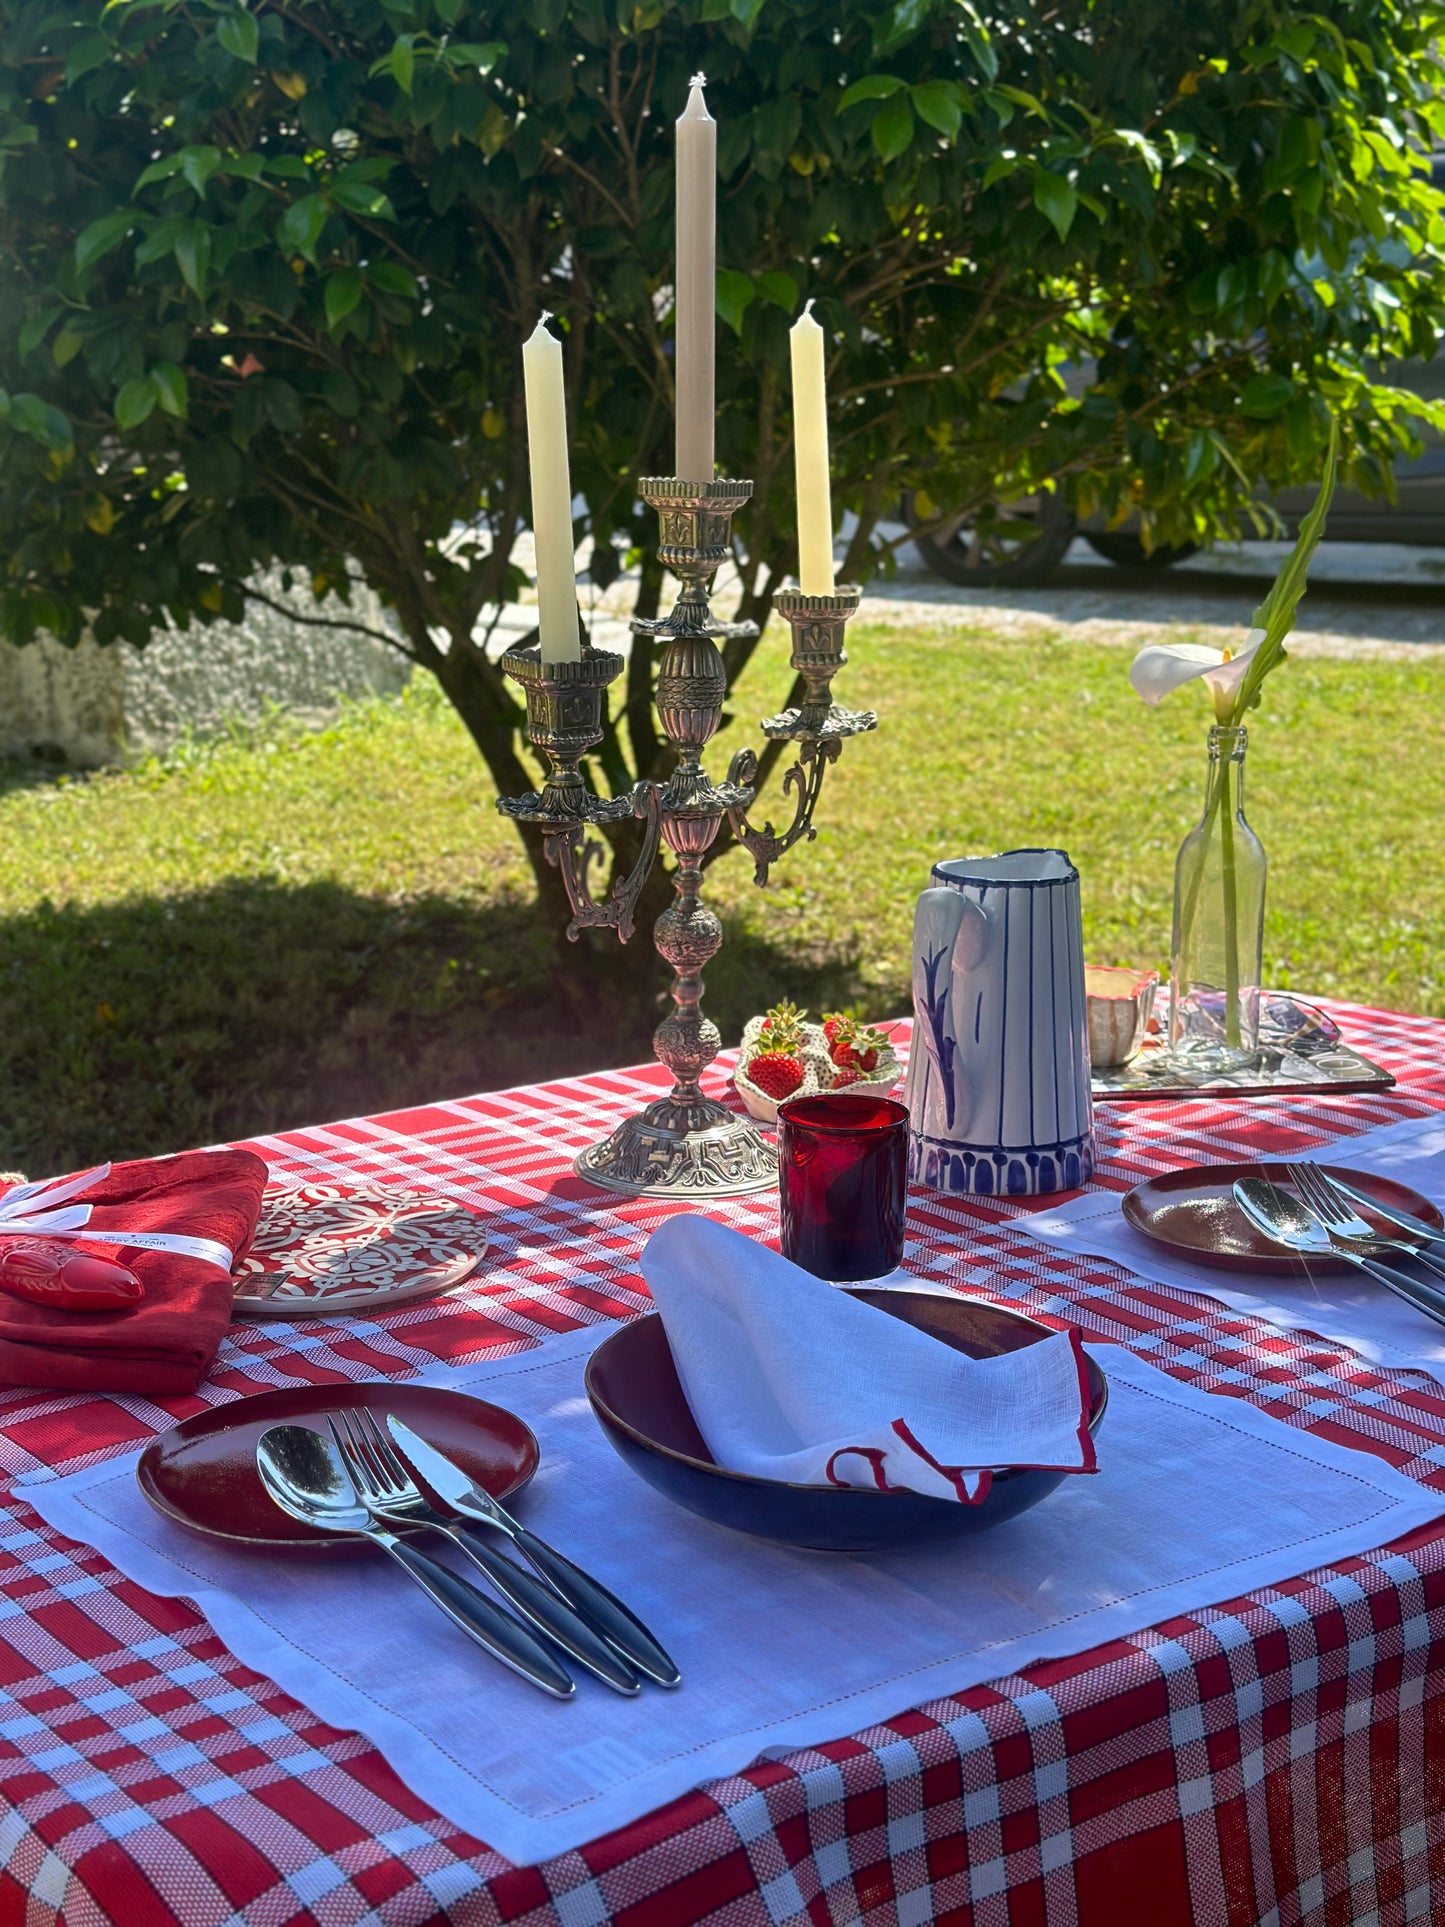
(699, 1150)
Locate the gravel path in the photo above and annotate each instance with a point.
(1365, 599)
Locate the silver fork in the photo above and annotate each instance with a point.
(1343, 1222)
(390, 1493)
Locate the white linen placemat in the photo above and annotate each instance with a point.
(1197, 1498)
(1344, 1305)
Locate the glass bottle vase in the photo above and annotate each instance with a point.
(1216, 955)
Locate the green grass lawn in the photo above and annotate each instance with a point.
(288, 926)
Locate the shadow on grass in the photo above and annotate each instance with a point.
(156, 1023)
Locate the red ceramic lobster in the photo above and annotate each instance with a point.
(48, 1272)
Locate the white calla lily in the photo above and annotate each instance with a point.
(1166, 666)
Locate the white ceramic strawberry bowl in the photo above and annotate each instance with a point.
(819, 1072)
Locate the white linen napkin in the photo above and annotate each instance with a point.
(789, 1378)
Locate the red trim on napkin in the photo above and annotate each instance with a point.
(958, 1475)
(164, 1345)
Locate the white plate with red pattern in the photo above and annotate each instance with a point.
(326, 1248)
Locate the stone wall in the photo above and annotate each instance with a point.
(87, 706)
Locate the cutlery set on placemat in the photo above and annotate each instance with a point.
(348, 1470)
(1296, 1217)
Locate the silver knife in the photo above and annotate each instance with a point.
(1417, 1227)
(585, 1595)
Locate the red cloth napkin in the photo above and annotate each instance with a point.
(166, 1344)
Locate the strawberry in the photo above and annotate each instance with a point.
(855, 1047)
(844, 1075)
(778, 1072)
(833, 1022)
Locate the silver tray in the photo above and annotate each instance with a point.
(1301, 1049)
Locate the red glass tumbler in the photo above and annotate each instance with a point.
(843, 1179)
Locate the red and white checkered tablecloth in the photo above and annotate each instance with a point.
(1278, 1759)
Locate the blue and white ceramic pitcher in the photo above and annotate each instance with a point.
(998, 1072)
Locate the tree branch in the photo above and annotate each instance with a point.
(320, 622)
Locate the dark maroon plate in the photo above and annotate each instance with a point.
(202, 1473)
(1192, 1213)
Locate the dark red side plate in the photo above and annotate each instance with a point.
(1192, 1213)
(202, 1473)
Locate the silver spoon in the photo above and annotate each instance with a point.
(1290, 1223)
(303, 1473)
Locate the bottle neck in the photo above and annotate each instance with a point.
(1227, 744)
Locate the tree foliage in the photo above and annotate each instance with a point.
(267, 269)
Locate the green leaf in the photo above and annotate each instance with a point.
(65, 347)
(400, 63)
(160, 170)
(1202, 457)
(299, 228)
(100, 237)
(343, 397)
(1276, 614)
(746, 10)
(37, 328)
(871, 87)
(159, 240)
(1056, 201)
(937, 102)
(92, 50)
(734, 292)
(902, 24)
(169, 382)
(1021, 99)
(343, 291)
(358, 197)
(976, 38)
(481, 54)
(392, 278)
(287, 167)
(135, 402)
(198, 164)
(39, 419)
(239, 35)
(281, 405)
(375, 167)
(781, 289)
(1265, 396)
(893, 127)
(193, 255)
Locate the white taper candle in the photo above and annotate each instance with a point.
(696, 166)
(551, 495)
(810, 457)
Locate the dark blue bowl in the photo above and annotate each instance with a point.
(633, 1385)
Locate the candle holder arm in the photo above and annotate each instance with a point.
(564, 721)
(804, 780)
(818, 726)
(574, 853)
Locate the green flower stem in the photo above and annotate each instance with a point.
(1231, 909)
(1191, 901)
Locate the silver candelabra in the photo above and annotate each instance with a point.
(684, 1145)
